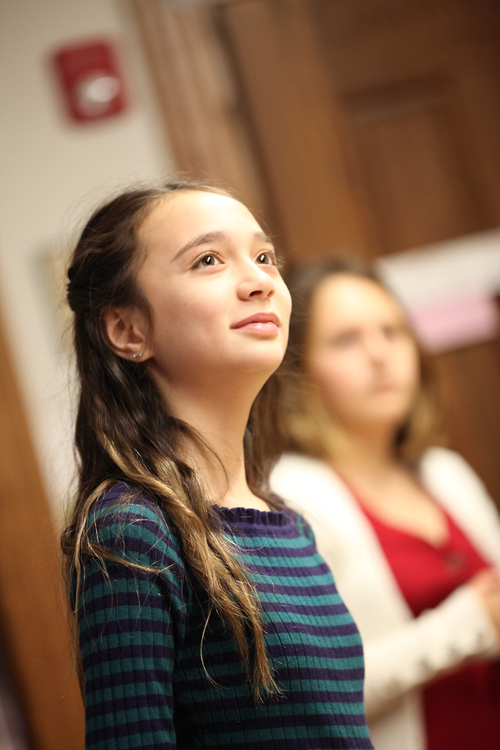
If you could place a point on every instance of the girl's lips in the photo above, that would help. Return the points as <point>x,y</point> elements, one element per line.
<point>259,323</point>
<point>385,386</point>
<point>257,327</point>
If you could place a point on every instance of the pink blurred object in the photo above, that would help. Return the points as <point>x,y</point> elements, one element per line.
<point>454,323</point>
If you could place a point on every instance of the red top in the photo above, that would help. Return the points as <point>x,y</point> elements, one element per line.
<point>462,709</point>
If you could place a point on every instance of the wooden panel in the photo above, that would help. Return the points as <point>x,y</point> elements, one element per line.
<point>33,609</point>
<point>480,117</point>
<point>199,99</point>
<point>421,130</point>
<point>413,161</point>
<point>366,45</point>
<point>470,388</point>
<point>294,125</point>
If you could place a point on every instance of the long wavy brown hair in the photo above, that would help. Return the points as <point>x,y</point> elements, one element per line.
<point>124,431</point>
<point>307,423</point>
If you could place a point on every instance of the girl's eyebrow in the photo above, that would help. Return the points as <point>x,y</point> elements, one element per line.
<point>211,237</point>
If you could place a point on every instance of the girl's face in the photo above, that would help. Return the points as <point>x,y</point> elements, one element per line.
<point>361,354</point>
<point>219,305</point>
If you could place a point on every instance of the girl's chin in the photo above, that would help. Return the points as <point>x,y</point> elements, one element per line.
<point>375,421</point>
<point>385,423</point>
<point>265,361</point>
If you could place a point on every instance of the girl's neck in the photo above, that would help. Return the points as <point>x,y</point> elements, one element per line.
<point>221,422</point>
<point>365,455</point>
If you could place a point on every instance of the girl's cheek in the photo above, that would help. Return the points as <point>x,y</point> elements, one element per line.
<point>340,383</point>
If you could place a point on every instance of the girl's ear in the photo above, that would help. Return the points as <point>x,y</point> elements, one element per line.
<point>127,333</point>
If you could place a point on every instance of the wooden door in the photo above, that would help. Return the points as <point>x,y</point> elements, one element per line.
<point>387,111</point>
<point>370,127</point>
<point>34,621</point>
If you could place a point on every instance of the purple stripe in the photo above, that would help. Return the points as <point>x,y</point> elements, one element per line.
<point>312,721</point>
<point>308,591</point>
<point>318,652</point>
<point>281,552</point>
<point>130,677</point>
<point>316,696</point>
<point>123,629</point>
<point>330,631</point>
<point>320,743</point>
<point>127,729</point>
<point>288,572</point>
<point>291,608</point>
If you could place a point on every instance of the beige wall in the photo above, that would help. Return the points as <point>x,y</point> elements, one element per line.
<point>51,173</point>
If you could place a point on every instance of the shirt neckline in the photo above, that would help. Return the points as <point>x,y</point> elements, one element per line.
<point>253,516</point>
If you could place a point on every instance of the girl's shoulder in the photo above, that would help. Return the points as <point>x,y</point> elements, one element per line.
<point>457,487</point>
<point>304,527</point>
<point>442,466</point>
<point>127,521</point>
<point>121,503</point>
<point>305,480</point>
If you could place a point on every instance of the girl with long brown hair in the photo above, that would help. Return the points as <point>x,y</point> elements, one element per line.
<point>205,616</point>
<point>409,532</point>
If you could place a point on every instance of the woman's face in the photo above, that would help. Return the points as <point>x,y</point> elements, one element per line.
<point>219,305</point>
<point>361,354</point>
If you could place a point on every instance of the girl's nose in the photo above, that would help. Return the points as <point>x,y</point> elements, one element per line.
<point>377,348</point>
<point>255,282</point>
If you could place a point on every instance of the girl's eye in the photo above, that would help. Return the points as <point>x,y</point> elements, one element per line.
<point>344,340</point>
<point>207,260</point>
<point>392,332</point>
<point>267,258</point>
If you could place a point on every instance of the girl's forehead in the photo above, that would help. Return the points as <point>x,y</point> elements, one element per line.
<point>196,205</point>
<point>341,297</point>
<point>178,217</point>
<point>345,290</point>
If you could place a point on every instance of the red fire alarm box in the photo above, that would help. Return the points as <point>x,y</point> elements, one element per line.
<point>91,82</point>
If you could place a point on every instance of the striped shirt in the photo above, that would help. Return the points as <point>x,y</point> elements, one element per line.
<point>146,683</point>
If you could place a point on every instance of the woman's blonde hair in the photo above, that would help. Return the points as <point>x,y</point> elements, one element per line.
<point>308,426</point>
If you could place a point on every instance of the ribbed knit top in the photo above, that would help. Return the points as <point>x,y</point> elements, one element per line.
<point>146,683</point>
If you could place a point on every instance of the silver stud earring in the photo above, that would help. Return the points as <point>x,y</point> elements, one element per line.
<point>138,354</point>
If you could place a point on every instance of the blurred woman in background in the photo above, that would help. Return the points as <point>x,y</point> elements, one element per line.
<point>407,528</point>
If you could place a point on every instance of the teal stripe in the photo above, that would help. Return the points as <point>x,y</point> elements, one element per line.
<point>306,582</point>
<point>200,695</point>
<point>320,600</point>
<point>312,621</point>
<point>268,543</point>
<point>221,671</point>
<point>127,690</point>
<point>127,666</point>
<point>122,586</point>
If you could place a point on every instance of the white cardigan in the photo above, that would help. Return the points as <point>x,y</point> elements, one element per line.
<point>401,652</point>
